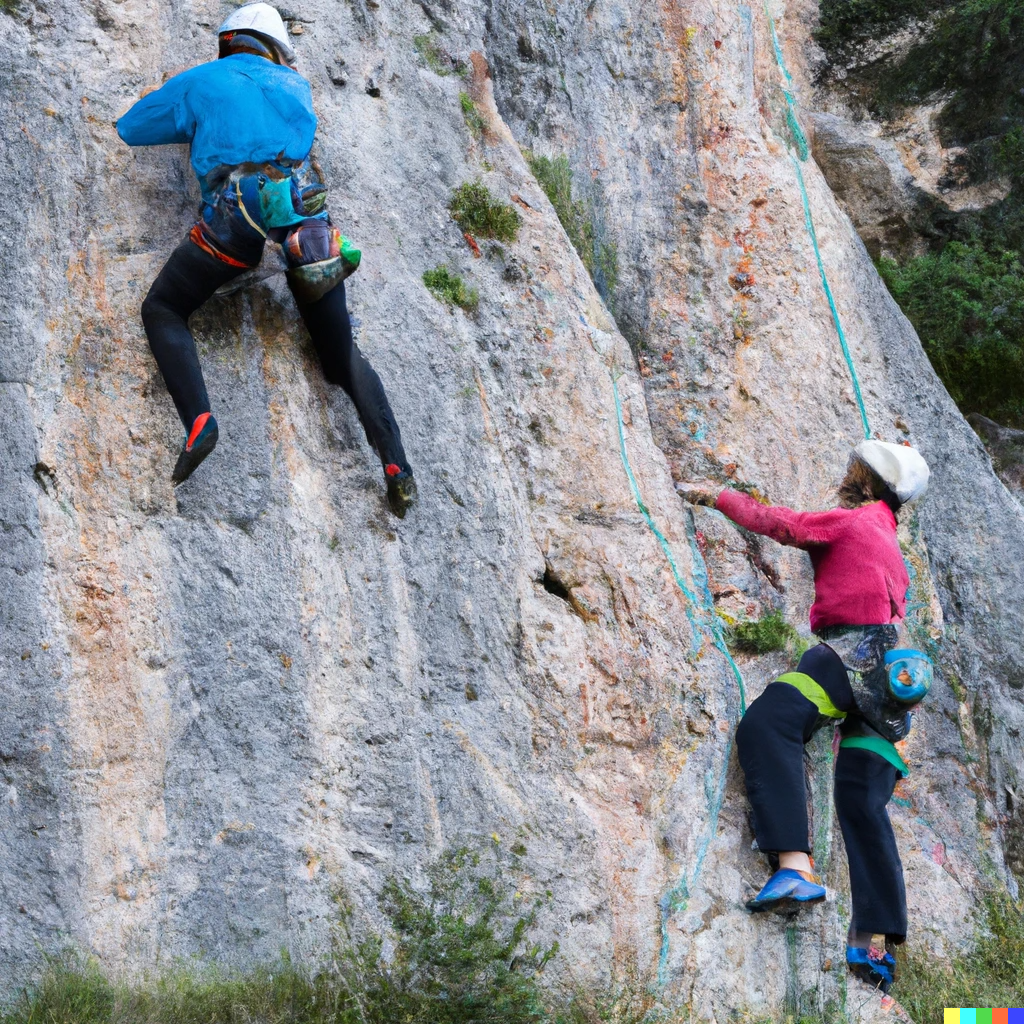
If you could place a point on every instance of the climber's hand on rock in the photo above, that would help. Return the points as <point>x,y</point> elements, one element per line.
<point>699,493</point>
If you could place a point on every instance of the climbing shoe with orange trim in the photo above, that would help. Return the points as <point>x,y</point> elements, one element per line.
<point>875,965</point>
<point>401,489</point>
<point>202,439</point>
<point>786,892</point>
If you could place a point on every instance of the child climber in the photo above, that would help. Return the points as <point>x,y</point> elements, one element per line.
<point>249,118</point>
<point>856,677</point>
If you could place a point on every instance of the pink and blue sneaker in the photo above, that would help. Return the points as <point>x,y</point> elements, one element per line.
<point>874,965</point>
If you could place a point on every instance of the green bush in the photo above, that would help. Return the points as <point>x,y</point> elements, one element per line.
<point>474,122</point>
<point>967,305</point>
<point>478,213</point>
<point>761,636</point>
<point>434,56</point>
<point>844,22</point>
<point>555,178</point>
<point>450,288</point>
<point>991,974</point>
<point>461,955</point>
<point>577,217</point>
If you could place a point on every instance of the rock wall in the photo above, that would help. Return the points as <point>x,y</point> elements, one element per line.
<point>222,704</point>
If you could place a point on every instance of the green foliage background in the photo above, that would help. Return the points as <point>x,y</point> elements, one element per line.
<point>965,298</point>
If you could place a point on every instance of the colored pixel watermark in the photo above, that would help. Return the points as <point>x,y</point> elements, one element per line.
<point>1007,1016</point>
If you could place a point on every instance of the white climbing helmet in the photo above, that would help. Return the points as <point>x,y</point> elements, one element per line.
<point>900,466</point>
<point>261,19</point>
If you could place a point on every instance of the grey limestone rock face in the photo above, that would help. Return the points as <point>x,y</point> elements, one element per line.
<point>223,704</point>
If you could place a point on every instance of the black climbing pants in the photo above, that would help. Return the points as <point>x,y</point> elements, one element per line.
<point>190,277</point>
<point>770,743</point>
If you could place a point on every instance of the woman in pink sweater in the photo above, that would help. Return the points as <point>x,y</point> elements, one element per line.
<point>855,677</point>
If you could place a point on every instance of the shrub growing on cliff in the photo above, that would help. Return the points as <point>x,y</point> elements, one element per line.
<point>451,289</point>
<point>577,217</point>
<point>555,177</point>
<point>477,212</point>
<point>762,636</point>
<point>967,306</point>
<point>428,46</point>
<point>474,122</point>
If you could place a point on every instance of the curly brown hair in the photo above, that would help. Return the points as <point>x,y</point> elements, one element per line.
<point>863,486</point>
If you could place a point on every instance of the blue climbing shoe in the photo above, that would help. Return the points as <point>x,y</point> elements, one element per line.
<point>786,892</point>
<point>875,966</point>
<point>202,439</point>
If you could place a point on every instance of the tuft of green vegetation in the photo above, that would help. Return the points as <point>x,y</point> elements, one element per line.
<point>991,974</point>
<point>436,58</point>
<point>555,178</point>
<point>9,6</point>
<point>577,217</point>
<point>474,122</point>
<point>451,289</point>
<point>478,213</point>
<point>761,636</point>
<point>967,306</point>
<point>461,954</point>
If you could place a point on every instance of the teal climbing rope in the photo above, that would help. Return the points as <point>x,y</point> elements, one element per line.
<point>803,151</point>
<point>705,605</point>
<point>701,612</point>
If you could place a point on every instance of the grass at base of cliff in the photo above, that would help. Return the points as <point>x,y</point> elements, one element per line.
<point>459,950</point>
<point>992,974</point>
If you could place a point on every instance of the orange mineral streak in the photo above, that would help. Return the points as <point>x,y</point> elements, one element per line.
<point>117,701</point>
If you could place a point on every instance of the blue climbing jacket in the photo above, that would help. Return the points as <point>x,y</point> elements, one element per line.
<point>236,110</point>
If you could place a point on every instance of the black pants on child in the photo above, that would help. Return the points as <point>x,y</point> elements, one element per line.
<point>770,742</point>
<point>191,276</point>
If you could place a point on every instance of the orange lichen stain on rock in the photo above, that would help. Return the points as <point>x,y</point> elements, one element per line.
<point>234,828</point>
<point>679,38</point>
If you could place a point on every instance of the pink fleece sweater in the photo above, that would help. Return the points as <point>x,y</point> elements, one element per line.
<point>859,575</point>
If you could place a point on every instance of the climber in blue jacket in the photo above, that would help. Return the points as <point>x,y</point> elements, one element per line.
<point>249,118</point>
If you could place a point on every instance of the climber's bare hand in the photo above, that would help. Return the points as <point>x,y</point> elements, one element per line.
<point>698,493</point>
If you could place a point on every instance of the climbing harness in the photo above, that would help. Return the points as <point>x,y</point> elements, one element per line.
<point>880,746</point>
<point>814,692</point>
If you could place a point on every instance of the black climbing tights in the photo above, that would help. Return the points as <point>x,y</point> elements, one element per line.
<point>864,785</point>
<point>190,277</point>
<point>770,743</point>
<point>331,331</point>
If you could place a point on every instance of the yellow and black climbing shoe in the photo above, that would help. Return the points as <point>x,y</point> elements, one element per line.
<point>202,439</point>
<point>401,489</point>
